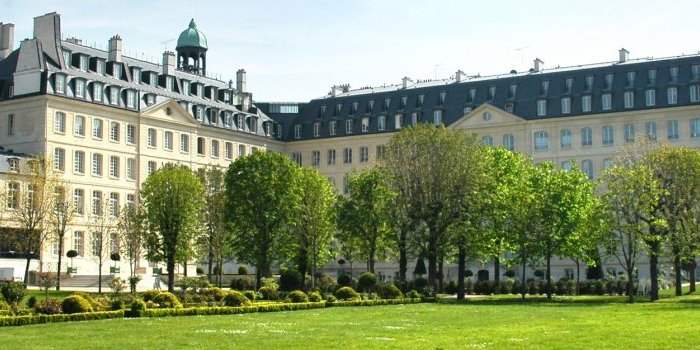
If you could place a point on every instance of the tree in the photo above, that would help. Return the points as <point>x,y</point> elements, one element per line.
<point>364,215</point>
<point>32,210</point>
<point>423,163</point>
<point>316,226</point>
<point>103,222</point>
<point>172,198</point>
<point>60,218</point>
<point>132,228</point>
<point>215,241</point>
<point>262,202</point>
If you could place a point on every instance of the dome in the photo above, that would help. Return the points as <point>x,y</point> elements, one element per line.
<point>192,37</point>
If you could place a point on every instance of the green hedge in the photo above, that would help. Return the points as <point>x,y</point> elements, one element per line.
<point>222,310</point>
<point>36,319</point>
<point>375,302</point>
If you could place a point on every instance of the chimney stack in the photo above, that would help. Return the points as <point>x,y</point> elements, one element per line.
<point>405,81</point>
<point>114,49</point>
<point>240,80</point>
<point>624,55</point>
<point>169,63</point>
<point>7,39</point>
<point>459,75</point>
<point>538,65</point>
<point>47,29</point>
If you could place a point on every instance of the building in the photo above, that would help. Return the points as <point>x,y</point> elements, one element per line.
<point>107,120</point>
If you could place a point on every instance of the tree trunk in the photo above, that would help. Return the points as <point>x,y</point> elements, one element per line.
<point>58,267</point>
<point>403,259</point>
<point>184,268</point>
<point>370,261</point>
<point>654,270</point>
<point>460,273</point>
<point>210,262</point>
<point>497,270</point>
<point>523,287</point>
<point>691,274</point>
<point>99,277</point>
<point>220,273</point>
<point>441,275</point>
<point>578,276</point>
<point>26,269</point>
<point>630,285</point>
<point>679,274</point>
<point>170,265</point>
<point>432,265</point>
<point>548,284</point>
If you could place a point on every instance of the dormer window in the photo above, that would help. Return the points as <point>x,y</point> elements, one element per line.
<point>153,80</point>
<point>544,88</point>
<point>322,110</point>
<point>136,75</point>
<point>317,129</point>
<point>370,106</point>
<point>297,131</point>
<point>443,95</point>
<point>66,57</point>
<point>80,88</point>
<point>348,126</point>
<point>404,99</point>
<point>131,99</point>
<point>608,81</point>
<point>651,77</point>
<point>97,92</point>
<point>471,96</point>
<point>354,107</point>
<point>695,71</point>
<point>492,93</point>
<point>83,60</point>
<point>60,83</point>
<point>169,83</point>
<point>13,164</point>
<point>589,83</point>
<point>100,67</point>
<point>512,90</point>
<point>338,108</point>
<point>630,79</point>
<point>673,71</point>
<point>420,100</point>
<point>568,85</point>
<point>387,103</point>
<point>114,95</point>
<point>116,70</point>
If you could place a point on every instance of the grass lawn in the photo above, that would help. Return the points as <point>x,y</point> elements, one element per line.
<point>492,323</point>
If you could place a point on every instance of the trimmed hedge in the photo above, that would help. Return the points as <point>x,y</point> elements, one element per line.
<point>195,311</point>
<point>36,319</point>
<point>375,302</point>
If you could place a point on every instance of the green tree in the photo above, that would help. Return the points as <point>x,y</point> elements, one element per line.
<point>172,198</point>
<point>216,239</point>
<point>364,215</point>
<point>132,229</point>
<point>103,222</point>
<point>262,202</point>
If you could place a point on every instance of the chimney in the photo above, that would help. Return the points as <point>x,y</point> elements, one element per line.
<point>114,49</point>
<point>169,63</point>
<point>7,39</point>
<point>624,55</point>
<point>75,40</point>
<point>240,80</point>
<point>405,81</point>
<point>47,29</point>
<point>459,75</point>
<point>538,65</point>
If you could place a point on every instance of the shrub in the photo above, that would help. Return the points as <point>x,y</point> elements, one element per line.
<point>13,292</point>
<point>345,280</point>
<point>4,306</point>
<point>269,282</point>
<point>37,319</point>
<point>330,298</point>
<point>242,270</point>
<point>469,286</point>
<point>413,294</point>
<point>451,287</point>
<point>420,283</point>
<point>215,294</point>
<point>347,293</point>
<point>242,283</point>
<point>598,287</point>
<point>116,304</point>
<point>75,304</point>
<point>315,297</point>
<point>269,293</point>
<point>93,303</point>
<point>200,271</point>
<point>136,308</point>
<point>48,307</point>
<point>533,287</point>
<point>167,300</point>
<point>149,295</point>
<point>251,295</point>
<point>510,273</point>
<point>298,296</point>
<point>505,287</point>
<point>236,298</point>
<point>611,287</point>
<point>367,281</point>
<point>390,291</point>
<point>326,283</point>
<point>290,280</point>
<point>31,302</point>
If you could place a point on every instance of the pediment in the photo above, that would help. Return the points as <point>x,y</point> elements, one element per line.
<point>170,111</point>
<point>486,115</point>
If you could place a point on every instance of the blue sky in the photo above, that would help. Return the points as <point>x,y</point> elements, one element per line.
<point>295,50</point>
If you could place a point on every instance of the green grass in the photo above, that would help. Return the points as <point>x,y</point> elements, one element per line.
<point>490,323</point>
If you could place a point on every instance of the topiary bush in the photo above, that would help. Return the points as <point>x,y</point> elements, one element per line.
<point>48,307</point>
<point>269,293</point>
<point>116,304</point>
<point>290,280</point>
<point>242,270</point>
<point>136,308</point>
<point>251,295</point>
<point>215,294</point>
<point>167,300</point>
<point>390,291</point>
<point>413,294</point>
<point>347,293</point>
<point>149,295</point>
<point>330,298</point>
<point>236,298</point>
<point>94,304</point>
<point>13,292</point>
<point>367,281</point>
<point>75,304</point>
<point>326,283</point>
<point>242,283</point>
<point>298,296</point>
<point>31,302</point>
<point>345,280</point>
<point>315,297</point>
<point>420,283</point>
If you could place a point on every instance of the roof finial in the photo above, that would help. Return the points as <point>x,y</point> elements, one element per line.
<point>192,24</point>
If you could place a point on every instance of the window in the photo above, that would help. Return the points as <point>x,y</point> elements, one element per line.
<point>566,105</point>
<point>348,126</point>
<point>630,79</point>
<point>587,168</point>
<point>437,117</point>
<point>12,195</point>
<point>608,135</point>
<point>541,108</point>
<point>331,157</point>
<point>229,150</point>
<point>586,136</point>
<point>347,155</point>
<point>629,99</point>
<point>80,88</point>
<point>651,130</point>
<point>695,127</point>
<point>629,133</point>
<point>79,125</point>
<point>113,243</point>
<point>331,128</point>
<point>608,163</point>
<point>130,134</point>
<point>97,246</point>
<point>96,164</point>
<point>297,131</point>
<point>152,137</point>
<point>296,157</point>
<point>672,126</point>
<point>509,142</point>
<point>79,201</point>
<point>168,140</point>
<point>586,105</point>
<point>650,97</point>
<point>364,154</point>
<point>130,200</point>
<point>10,125</point>
<point>184,143</point>
<point>487,140</point>
<point>114,166</point>
<point>59,159</point>
<point>79,242</point>
<point>131,168</point>
<point>673,71</point>
<point>672,95</point>
<point>60,84</point>
<point>130,98</point>
<point>566,165</point>
<point>241,150</point>
<point>651,76</point>
<point>414,118</point>
<point>201,146</point>
<point>381,150</point>
<point>79,162</point>
<point>346,184</point>
<point>97,128</point>
<point>694,91</point>
<point>565,136</point>
<point>608,81</point>
<point>381,123</point>
<point>114,204</point>
<point>541,141</point>
<point>97,92</point>
<point>114,132</point>
<point>365,124</point>
<point>114,95</point>
<point>398,119</point>
<point>151,167</point>
<point>59,123</point>
<point>316,158</point>
<point>214,148</point>
<point>317,129</point>
<point>588,83</point>
<point>96,203</point>
<point>606,101</point>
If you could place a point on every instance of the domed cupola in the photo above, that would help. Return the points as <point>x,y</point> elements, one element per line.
<point>192,50</point>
